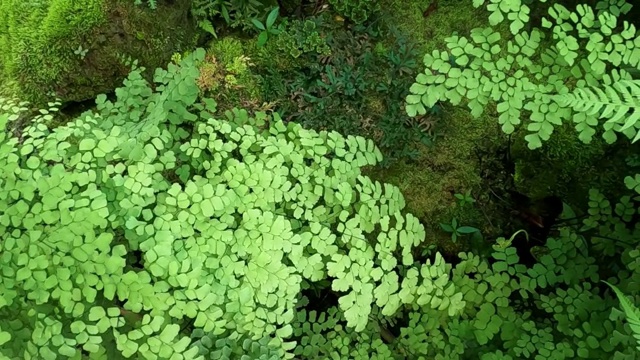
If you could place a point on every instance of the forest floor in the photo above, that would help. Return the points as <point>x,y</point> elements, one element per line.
<point>469,155</point>
<point>466,154</point>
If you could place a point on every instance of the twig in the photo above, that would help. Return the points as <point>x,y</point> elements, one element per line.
<point>499,198</point>
<point>485,215</point>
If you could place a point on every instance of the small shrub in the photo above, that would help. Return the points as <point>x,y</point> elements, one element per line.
<point>343,81</point>
<point>357,11</point>
<point>302,37</point>
<point>237,14</point>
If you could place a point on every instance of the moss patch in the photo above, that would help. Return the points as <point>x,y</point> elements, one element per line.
<point>452,165</point>
<point>464,154</point>
<point>150,36</point>
<point>227,75</point>
<point>39,40</point>
<point>448,17</point>
<point>35,40</point>
<point>566,167</point>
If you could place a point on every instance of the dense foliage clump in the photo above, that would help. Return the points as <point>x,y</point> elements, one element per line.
<point>208,205</point>
<point>583,76</point>
<point>154,227</point>
<point>351,81</point>
<point>185,218</point>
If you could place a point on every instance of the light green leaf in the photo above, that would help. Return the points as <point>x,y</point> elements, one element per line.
<point>87,144</point>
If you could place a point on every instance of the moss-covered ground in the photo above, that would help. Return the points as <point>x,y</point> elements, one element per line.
<point>38,39</point>
<point>73,49</point>
<point>453,164</point>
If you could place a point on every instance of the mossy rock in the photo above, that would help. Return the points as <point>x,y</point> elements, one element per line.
<point>74,49</point>
<point>226,75</point>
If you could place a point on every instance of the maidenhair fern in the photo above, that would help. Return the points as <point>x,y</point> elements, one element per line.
<point>580,74</point>
<point>154,227</point>
<point>518,12</point>
<point>574,79</point>
<point>514,10</point>
<point>231,218</point>
<point>618,103</point>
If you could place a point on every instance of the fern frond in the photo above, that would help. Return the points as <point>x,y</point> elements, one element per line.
<point>618,103</point>
<point>631,312</point>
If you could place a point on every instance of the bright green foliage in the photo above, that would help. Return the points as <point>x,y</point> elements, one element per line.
<point>127,224</point>
<point>573,79</point>
<point>631,312</point>
<point>34,39</point>
<point>580,327</point>
<point>357,11</point>
<point>236,13</point>
<point>514,10</point>
<point>618,103</point>
<point>155,227</point>
<point>323,336</point>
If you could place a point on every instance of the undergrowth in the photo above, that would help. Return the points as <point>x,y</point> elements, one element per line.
<point>347,78</point>
<point>167,223</point>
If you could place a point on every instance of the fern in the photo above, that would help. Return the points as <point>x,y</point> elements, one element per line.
<point>631,312</point>
<point>619,103</point>
<point>517,11</point>
<point>545,84</point>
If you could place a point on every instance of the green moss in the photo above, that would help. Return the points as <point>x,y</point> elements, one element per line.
<point>227,49</point>
<point>35,39</point>
<point>448,167</point>
<point>151,36</point>
<point>38,39</point>
<point>67,18</point>
<point>236,84</point>
<point>430,31</point>
<point>567,167</point>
